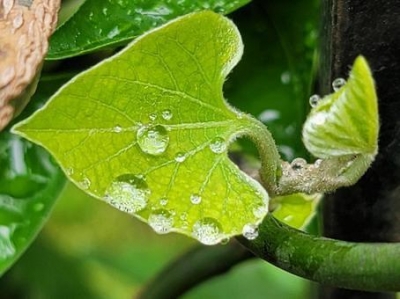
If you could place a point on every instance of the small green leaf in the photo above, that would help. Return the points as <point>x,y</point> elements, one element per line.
<point>148,131</point>
<point>345,122</point>
<point>296,209</point>
<point>105,23</point>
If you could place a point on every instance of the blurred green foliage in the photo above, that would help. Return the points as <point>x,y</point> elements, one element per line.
<point>90,250</point>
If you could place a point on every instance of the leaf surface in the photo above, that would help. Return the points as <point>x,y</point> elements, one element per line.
<point>105,23</point>
<point>148,131</point>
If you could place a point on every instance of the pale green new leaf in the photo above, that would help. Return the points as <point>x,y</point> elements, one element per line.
<point>148,131</point>
<point>295,209</point>
<point>345,122</point>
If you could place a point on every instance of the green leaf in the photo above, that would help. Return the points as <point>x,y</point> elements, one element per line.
<point>148,131</point>
<point>296,209</point>
<point>104,23</point>
<point>29,186</point>
<point>345,122</point>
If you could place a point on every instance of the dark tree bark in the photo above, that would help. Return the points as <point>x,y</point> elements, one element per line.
<point>370,210</point>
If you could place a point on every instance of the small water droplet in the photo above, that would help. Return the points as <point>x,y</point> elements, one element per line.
<point>260,211</point>
<point>153,116</point>
<point>180,157</point>
<point>153,140</point>
<point>69,171</point>
<point>166,114</point>
<point>218,145</point>
<point>225,241</point>
<point>208,231</point>
<point>161,221</point>
<point>128,193</point>
<point>183,216</point>
<point>250,231</point>
<point>117,129</point>
<point>314,99</point>
<point>85,184</point>
<point>195,199</point>
<point>338,83</point>
<point>298,163</point>
<point>164,201</point>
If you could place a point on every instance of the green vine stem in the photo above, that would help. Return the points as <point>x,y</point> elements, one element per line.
<point>358,266</point>
<point>194,267</point>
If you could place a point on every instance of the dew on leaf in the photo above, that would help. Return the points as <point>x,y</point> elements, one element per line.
<point>153,140</point>
<point>260,211</point>
<point>225,241</point>
<point>166,114</point>
<point>117,129</point>
<point>69,171</point>
<point>180,157</point>
<point>128,193</point>
<point>338,83</point>
<point>298,164</point>
<point>314,99</point>
<point>85,184</point>
<point>164,201</point>
<point>153,116</point>
<point>195,199</point>
<point>161,221</point>
<point>218,145</point>
<point>208,231</point>
<point>250,231</point>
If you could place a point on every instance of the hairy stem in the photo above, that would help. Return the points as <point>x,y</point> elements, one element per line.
<point>196,266</point>
<point>359,266</point>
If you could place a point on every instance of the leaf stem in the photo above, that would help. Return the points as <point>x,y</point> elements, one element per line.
<point>359,266</point>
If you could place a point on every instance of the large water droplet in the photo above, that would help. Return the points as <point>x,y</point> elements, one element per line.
<point>161,221</point>
<point>250,231</point>
<point>298,164</point>
<point>314,99</point>
<point>166,114</point>
<point>338,83</point>
<point>180,157</point>
<point>128,193</point>
<point>208,231</point>
<point>195,199</point>
<point>218,145</point>
<point>153,140</point>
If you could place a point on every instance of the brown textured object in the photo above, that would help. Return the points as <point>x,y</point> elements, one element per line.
<point>25,26</point>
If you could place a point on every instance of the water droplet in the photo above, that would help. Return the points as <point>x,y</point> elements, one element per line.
<point>208,231</point>
<point>314,99</point>
<point>161,221</point>
<point>250,231</point>
<point>260,211</point>
<point>338,83</point>
<point>166,114</point>
<point>195,199</point>
<point>153,140</point>
<point>286,77</point>
<point>218,145</point>
<point>183,216</point>
<point>164,201</point>
<point>117,129</point>
<point>69,171</point>
<point>128,193</point>
<point>153,116</point>
<point>298,163</point>
<point>85,184</point>
<point>180,157</point>
<point>225,241</point>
